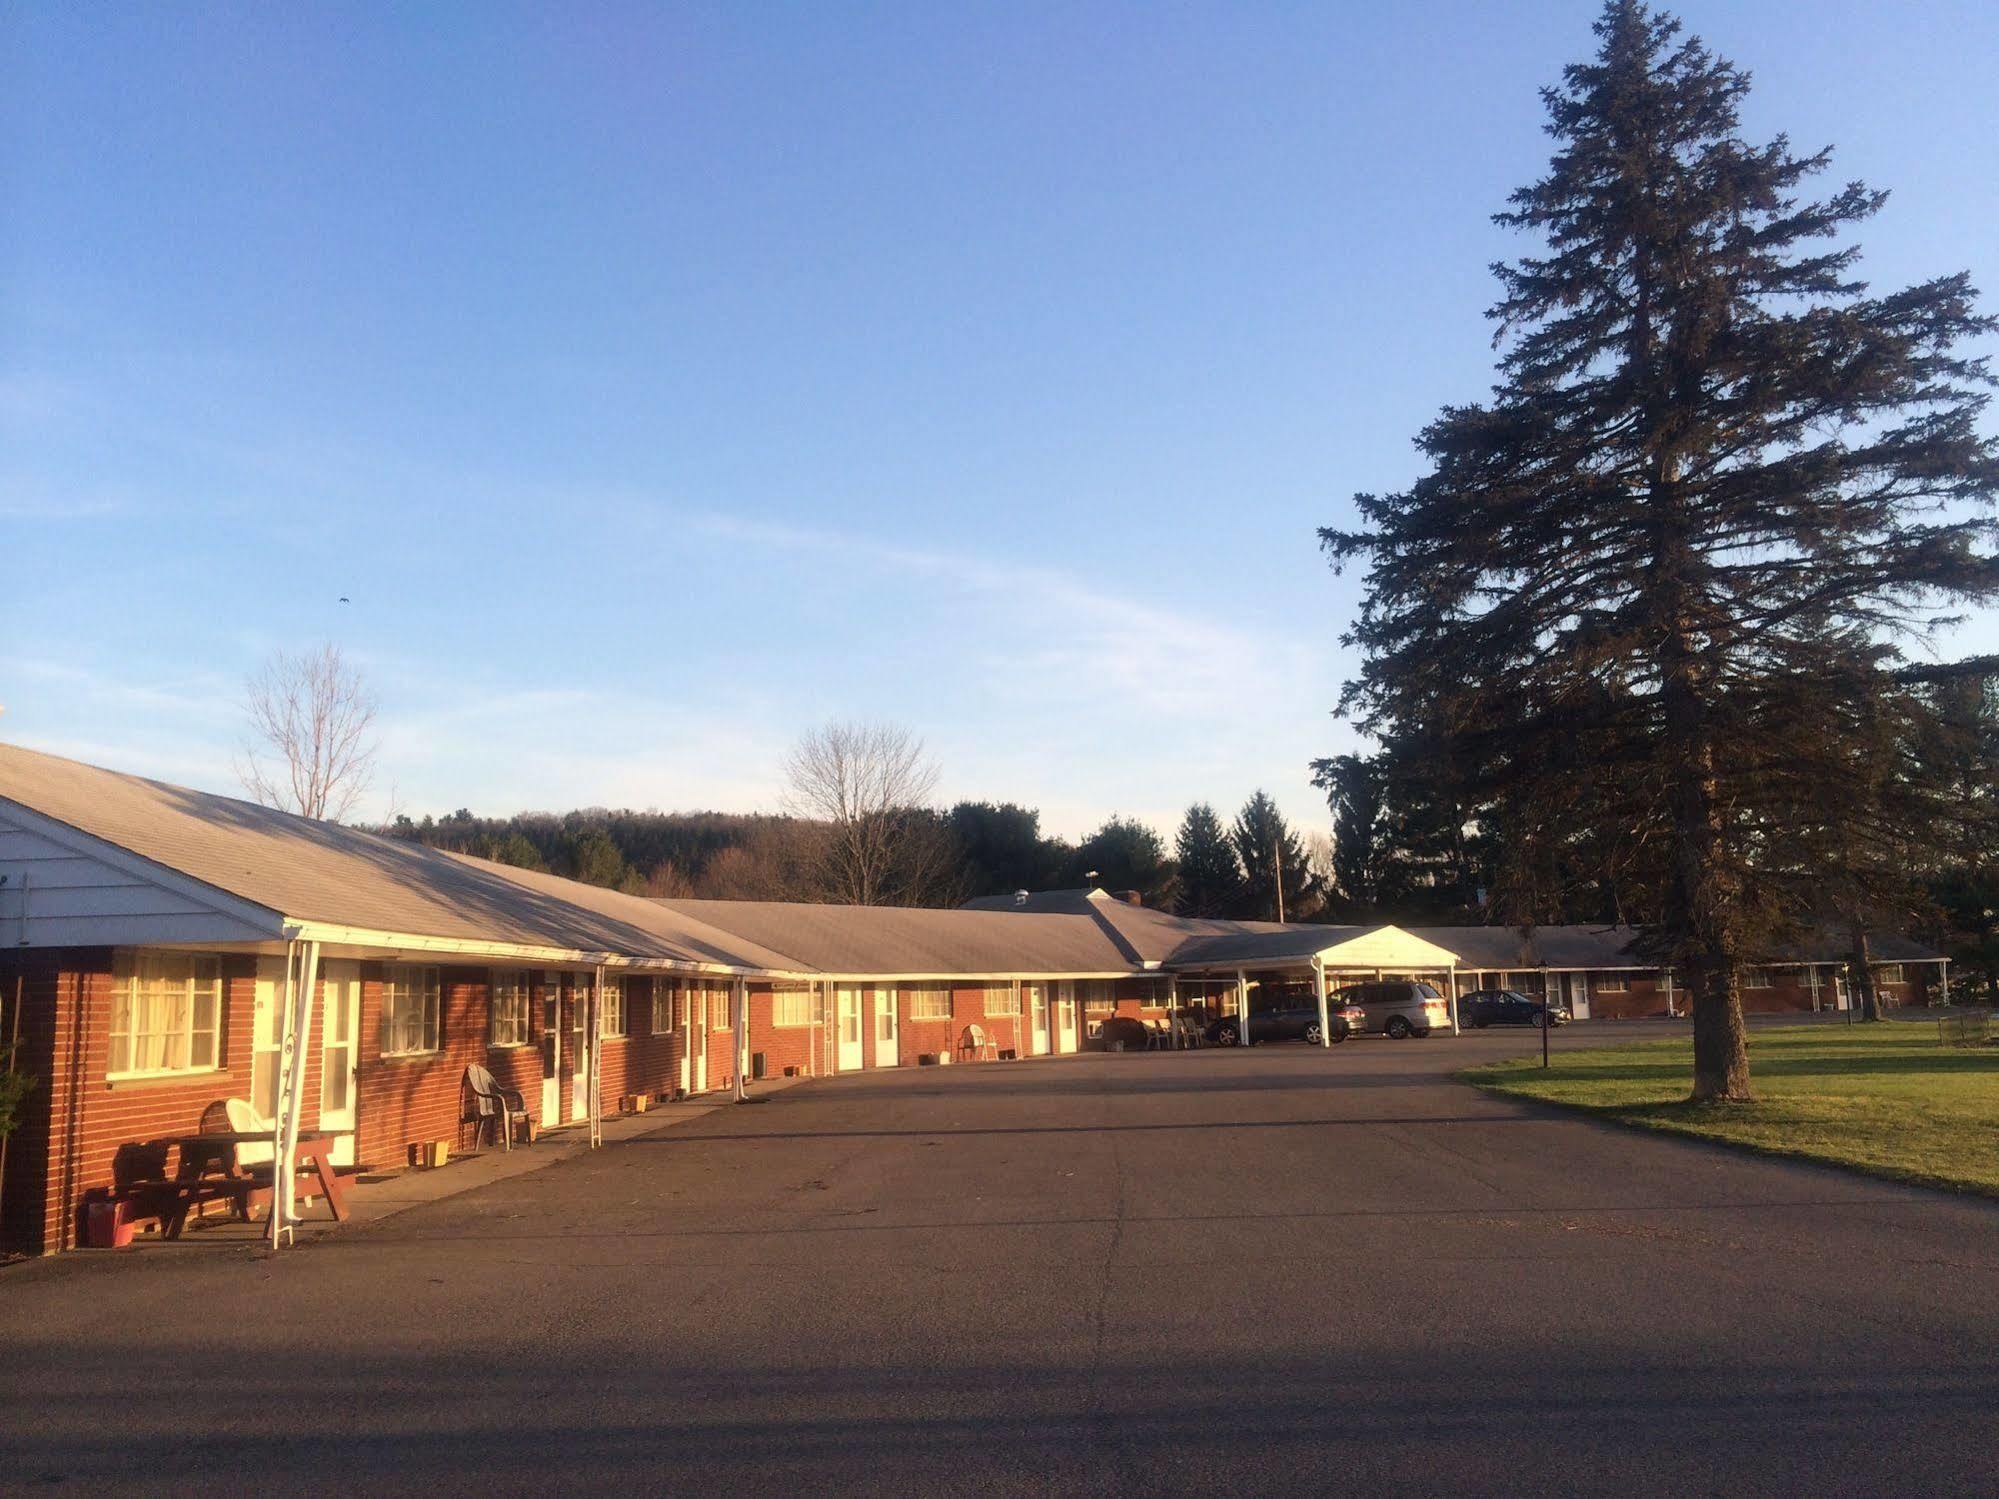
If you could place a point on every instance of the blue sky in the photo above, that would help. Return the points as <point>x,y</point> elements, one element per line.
<point>661,381</point>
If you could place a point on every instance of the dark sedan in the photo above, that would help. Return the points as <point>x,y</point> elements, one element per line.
<point>1483,1007</point>
<point>1286,1023</point>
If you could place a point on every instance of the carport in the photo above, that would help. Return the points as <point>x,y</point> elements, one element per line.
<point>1320,954</point>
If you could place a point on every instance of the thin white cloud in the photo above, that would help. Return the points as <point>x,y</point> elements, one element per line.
<point>1074,638</point>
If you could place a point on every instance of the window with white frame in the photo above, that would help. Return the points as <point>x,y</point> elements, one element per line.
<point>930,1002</point>
<point>718,1009</point>
<point>1002,999</point>
<point>166,1014</point>
<point>510,1008</point>
<point>791,1005</point>
<point>664,993</point>
<point>1525,980</point>
<point>1888,973</point>
<point>1097,997</point>
<point>1609,983</point>
<point>410,1001</point>
<point>1755,978</point>
<point>611,1008</point>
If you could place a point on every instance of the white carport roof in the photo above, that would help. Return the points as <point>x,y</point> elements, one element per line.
<point>1337,949</point>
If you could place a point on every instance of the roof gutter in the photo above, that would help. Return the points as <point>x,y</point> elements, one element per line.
<point>332,933</point>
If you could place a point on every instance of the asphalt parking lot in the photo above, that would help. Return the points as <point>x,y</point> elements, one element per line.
<point>1279,1270</point>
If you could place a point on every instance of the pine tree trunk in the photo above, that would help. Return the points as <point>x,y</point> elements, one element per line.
<point>1697,913</point>
<point>1721,1040</point>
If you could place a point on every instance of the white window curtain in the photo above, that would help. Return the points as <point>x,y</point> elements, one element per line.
<point>166,1014</point>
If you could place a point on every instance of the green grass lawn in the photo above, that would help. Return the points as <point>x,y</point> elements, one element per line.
<point>1884,1098</point>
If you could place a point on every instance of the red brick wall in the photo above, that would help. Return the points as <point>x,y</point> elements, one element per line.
<point>922,1036</point>
<point>782,1046</point>
<point>640,1061</point>
<point>1641,997</point>
<point>76,1119</point>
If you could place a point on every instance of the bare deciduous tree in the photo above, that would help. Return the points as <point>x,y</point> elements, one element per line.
<point>869,785</point>
<point>311,750</point>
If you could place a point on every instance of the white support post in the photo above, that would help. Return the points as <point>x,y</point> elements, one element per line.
<point>593,1056</point>
<point>301,971</point>
<point>1242,1004</point>
<point>1319,993</point>
<point>741,1000</point>
<point>1454,1001</point>
<point>1812,983</point>
<point>1175,1022</point>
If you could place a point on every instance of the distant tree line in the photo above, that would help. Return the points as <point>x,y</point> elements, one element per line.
<point>936,857</point>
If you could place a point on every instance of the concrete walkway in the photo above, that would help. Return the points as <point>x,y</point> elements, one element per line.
<point>373,1196</point>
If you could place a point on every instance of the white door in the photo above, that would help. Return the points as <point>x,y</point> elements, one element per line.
<point>697,1038</point>
<point>681,1023</point>
<point>888,1030</point>
<point>1065,1016</point>
<point>1577,985</point>
<point>340,1055</point>
<point>551,1053</point>
<point>579,1072</point>
<point>264,1027</point>
<point>1035,997</point>
<point>847,1012</point>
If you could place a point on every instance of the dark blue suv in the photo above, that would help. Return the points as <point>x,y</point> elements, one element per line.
<point>1483,1007</point>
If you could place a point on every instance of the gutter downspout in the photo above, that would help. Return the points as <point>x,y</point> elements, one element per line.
<point>1319,992</point>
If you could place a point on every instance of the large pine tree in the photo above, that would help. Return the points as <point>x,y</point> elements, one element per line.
<point>1210,876</point>
<point>1277,876</point>
<point>1720,488</point>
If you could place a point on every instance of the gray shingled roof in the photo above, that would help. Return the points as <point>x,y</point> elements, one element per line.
<point>320,871</point>
<point>1161,937</point>
<point>316,871</point>
<point>885,940</point>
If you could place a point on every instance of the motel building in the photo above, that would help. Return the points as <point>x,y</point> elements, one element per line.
<point>171,957</point>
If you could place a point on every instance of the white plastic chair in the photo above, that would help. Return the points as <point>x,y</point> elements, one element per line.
<point>244,1119</point>
<point>977,1046</point>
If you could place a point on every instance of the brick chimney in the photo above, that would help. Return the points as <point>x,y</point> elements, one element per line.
<point>1129,897</point>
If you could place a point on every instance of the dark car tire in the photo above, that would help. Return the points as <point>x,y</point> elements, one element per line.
<point>1313,1035</point>
<point>1398,1028</point>
<point>1340,1033</point>
<point>1420,1035</point>
<point>1227,1036</point>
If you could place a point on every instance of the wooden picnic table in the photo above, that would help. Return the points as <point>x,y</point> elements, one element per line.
<point>214,1153</point>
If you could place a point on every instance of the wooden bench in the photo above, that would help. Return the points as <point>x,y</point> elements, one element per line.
<point>143,1190</point>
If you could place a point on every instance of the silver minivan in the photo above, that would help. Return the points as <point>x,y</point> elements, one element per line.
<point>1399,1007</point>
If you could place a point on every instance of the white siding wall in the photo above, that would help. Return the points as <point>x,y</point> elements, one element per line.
<point>58,894</point>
